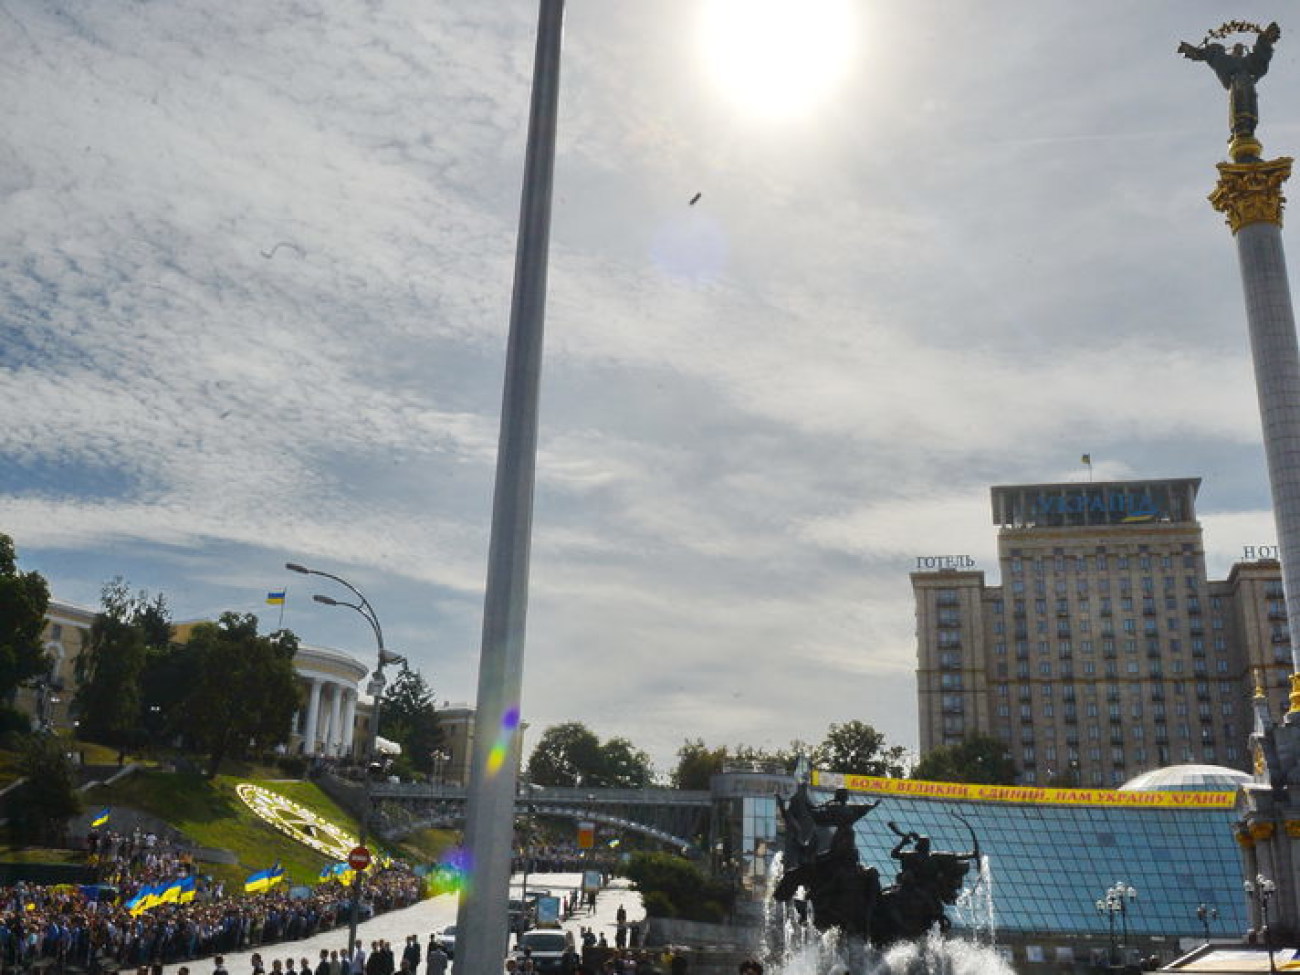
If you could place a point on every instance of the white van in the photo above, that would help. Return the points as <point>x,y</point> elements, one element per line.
<point>545,945</point>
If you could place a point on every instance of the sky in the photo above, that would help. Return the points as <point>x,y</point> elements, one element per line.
<point>255,277</point>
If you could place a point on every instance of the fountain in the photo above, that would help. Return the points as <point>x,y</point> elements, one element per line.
<point>829,914</point>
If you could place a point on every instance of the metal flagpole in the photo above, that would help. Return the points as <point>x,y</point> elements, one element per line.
<point>482,931</point>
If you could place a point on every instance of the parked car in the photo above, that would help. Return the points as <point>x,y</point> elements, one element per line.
<point>447,938</point>
<point>544,945</point>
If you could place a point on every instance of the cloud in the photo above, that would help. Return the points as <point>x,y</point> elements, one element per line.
<point>255,274</point>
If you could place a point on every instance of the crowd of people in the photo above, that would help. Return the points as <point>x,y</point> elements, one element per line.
<point>90,927</point>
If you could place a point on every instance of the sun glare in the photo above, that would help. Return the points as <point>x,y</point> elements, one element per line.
<point>778,58</point>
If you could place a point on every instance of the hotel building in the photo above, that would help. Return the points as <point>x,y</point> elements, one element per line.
<point>1106,651</point>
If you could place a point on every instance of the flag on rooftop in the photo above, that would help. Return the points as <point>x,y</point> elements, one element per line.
<point>276,598</point>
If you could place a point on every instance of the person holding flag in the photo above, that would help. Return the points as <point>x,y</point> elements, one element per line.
<point>264,879</point>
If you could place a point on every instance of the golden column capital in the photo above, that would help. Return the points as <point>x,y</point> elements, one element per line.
<point>1251,192</point>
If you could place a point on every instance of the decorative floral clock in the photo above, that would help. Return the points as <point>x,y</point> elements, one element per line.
<point>297,822</point>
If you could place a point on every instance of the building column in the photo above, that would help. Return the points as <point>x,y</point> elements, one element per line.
<point>335,739</point>
<point>349,718</point>
<point>310,735</point>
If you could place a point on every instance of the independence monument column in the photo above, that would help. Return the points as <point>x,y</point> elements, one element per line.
<point>1249,194</point>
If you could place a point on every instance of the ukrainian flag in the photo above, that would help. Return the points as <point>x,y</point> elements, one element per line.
<point>101,817</point>
<point>186,890</point>
<point>276,598</point>
<point>148,897</point>
<point>263,879</point>
<point>171,894</point>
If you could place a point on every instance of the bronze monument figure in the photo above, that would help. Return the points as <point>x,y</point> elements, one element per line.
<point>1238,70</point>
<point>821,857</point>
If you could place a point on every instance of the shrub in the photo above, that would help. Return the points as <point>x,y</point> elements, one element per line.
<point>671,886</point>
<point>294,766</point>
<point>658,904</point>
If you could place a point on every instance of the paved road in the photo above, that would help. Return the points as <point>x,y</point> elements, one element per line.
<point>430,916</point>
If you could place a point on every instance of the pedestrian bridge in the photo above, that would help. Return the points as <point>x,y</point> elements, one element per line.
<point>676,818</point>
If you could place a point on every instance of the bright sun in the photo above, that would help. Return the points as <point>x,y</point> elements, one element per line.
<point>778,58</point>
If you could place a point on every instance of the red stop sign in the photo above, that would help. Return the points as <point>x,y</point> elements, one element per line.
<point>359,858</point>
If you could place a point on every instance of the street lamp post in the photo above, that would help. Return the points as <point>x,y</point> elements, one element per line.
<point>1115,902</point>
<point>1262,890</point>
<point>376,691</point>
<point>1206,913</point>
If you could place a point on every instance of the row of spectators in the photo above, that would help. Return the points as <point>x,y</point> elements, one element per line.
<point>90,928</point>
<point>132,860</point>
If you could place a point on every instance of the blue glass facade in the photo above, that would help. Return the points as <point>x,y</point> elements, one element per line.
<point>1050,862</point>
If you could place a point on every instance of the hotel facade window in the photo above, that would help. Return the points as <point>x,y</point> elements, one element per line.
<point>1119,566</point>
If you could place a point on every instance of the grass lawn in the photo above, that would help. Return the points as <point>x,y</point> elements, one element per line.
<point>211,813</point>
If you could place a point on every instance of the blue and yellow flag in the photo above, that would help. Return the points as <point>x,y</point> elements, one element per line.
<point>263,879</point>
<point>101,817</point>
<point>276,598</point>
<point>171,893</point>
<point>149,896</point>
<point>187,890</point>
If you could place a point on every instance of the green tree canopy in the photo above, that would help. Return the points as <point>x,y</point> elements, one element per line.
<point>697,764</point>
<point>127,628</point>
<point>408,718</point>
<point>977,758</point>
<point>672,886</point>
<point>624,765</point>
<point>244,690</point>
<point>571,754</point>
<point>24,600</point>
<point>49,793</point>
<point>856,748</point>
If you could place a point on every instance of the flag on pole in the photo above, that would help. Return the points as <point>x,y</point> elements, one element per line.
<point>148,897</point>
<point>171,894</point>
<point>1086,459</point>
<point>101,818</point>
<point>263,879</point>
<point>275,598</point>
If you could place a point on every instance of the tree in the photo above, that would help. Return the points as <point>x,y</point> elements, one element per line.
<point>671,886</point>
<point>856,748</point>
<point>624,765</point>
<point>109,673</point>
<point>696,765</point>
<point>244,691</point>
<point>567,754</point>
<point>24,600</point>
<point>976,758</point>
<point>49,793</point>
<point>571,754</point>
<point>408,718</point>
<point>773,758</point>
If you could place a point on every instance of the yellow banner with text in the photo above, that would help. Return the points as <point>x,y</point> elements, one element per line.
<point>918,789</point>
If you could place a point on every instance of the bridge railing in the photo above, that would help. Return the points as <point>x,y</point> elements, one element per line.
<point>568,796</point>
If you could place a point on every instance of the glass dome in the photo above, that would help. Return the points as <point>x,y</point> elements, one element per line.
<point>1188,778</point>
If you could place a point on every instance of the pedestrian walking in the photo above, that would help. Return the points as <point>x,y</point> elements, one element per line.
<point>436,961</point>
<point>412,954</point>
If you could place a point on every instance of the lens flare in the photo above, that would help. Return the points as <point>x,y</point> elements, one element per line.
<point>501,747</point>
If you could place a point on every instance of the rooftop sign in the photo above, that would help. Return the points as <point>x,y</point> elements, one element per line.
<point>1088,504</point>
